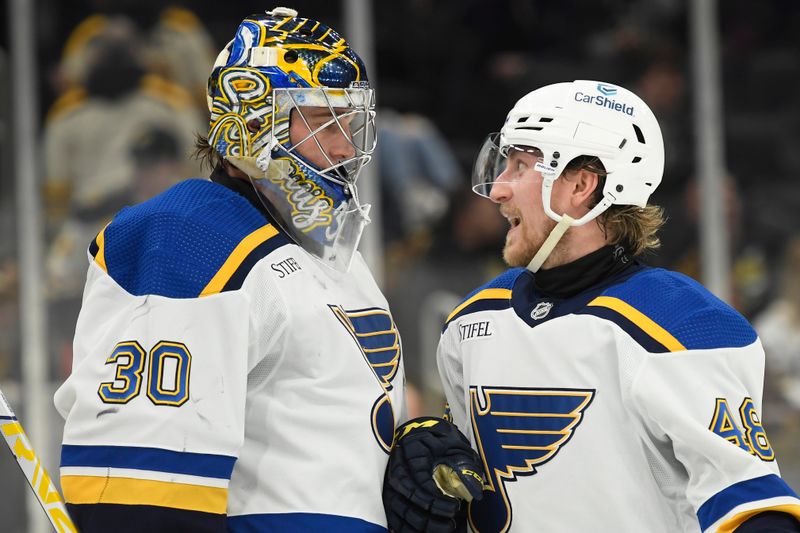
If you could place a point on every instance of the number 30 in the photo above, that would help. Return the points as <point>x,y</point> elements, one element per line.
<point>167,375</point>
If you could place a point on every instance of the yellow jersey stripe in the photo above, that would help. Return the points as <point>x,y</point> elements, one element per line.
<point>100,257</point>
<point>730,525</point>
<point>485,294</point>
<point>239,254</point>
<point>641,320</point>
<point>130,491</point>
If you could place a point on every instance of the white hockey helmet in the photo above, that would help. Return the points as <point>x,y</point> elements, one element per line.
<point>567,120</point>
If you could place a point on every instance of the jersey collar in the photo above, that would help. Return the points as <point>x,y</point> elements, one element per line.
<point>565,281</point>
<point>241,186</point>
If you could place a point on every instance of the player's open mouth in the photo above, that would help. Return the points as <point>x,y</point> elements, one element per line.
<point>514,221</point>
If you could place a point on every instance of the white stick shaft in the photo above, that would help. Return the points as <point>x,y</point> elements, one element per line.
<point>34,471</point>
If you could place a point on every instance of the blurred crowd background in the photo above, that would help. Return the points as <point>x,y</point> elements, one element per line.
<point>121,89</point>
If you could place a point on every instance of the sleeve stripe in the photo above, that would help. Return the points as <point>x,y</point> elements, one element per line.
<point>258,523</point>
<point>151,475</point>
<point>127,491</point>
<point>155,459</point>
<point>730,525</point>
<point>486,294</point>
<point>237,257</point>
<point>744,492</point>
<point>641,320</point>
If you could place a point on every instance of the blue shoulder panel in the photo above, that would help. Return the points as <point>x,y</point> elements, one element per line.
<point>494,295</point>
<point>195,239</point>
<point>667,311</point>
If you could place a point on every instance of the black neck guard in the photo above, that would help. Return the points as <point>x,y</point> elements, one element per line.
<point>565,281</point>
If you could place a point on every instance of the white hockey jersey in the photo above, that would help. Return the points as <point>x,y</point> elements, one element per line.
<point>220,370</point>
<point>633,406</point>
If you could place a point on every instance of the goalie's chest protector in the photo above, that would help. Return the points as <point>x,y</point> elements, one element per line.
<point>319,426</point>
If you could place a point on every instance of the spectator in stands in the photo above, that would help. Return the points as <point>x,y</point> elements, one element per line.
<point>90,131</point>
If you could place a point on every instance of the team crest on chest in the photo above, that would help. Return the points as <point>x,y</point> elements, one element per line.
<point>375,333</point>
<point>517,430</point>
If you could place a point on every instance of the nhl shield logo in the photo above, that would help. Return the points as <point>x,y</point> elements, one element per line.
<point>541,310</point>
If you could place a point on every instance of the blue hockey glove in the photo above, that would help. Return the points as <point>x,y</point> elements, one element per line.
<point>432,470</point>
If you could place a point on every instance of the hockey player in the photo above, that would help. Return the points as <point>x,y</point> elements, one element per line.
<point>601,394</point>
<point>236,367</point>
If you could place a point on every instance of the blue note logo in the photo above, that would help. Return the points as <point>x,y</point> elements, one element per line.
<point>517,430</point>
<point>375,333</point>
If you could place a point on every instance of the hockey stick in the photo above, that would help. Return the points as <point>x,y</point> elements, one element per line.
<point>33,469</point>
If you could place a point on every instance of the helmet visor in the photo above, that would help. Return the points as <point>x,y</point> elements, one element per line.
<point>508,163</point>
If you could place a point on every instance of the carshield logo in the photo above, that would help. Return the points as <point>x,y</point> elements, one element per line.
<point>607,90</point>
<point>604,99</point>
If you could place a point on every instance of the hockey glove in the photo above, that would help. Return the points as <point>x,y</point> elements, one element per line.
<point>431,469</point>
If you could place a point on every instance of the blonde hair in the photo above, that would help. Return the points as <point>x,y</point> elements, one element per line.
<point>634,227</point>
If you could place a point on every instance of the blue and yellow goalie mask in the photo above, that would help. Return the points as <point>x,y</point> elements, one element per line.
<point>291,106</point>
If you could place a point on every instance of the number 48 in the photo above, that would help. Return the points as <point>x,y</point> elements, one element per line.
<point>167,374</point>
<point>753,439</point>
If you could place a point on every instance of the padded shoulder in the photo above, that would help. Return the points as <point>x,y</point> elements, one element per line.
<point>195,239</point>
<point>667,312</point>
<point>494,295</point>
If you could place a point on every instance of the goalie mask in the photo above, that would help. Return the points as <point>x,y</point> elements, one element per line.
<point>291,107</point>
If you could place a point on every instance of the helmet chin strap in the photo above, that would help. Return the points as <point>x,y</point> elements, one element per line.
<point>547,246</point>
<point>549,176</point>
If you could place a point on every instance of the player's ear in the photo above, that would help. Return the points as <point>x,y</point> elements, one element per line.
<point>583,184</point>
